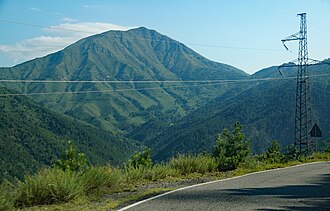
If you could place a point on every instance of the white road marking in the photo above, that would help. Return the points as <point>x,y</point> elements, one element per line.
<point>211,182</point>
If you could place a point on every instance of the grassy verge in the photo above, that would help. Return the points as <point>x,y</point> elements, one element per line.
<point>101,188</point>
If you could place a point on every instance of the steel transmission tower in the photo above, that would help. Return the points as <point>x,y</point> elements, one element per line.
<point>303,111</point>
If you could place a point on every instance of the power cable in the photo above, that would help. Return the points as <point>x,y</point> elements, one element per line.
<point>155,81</point>
<point>211,83</point>
<point>105,90</point>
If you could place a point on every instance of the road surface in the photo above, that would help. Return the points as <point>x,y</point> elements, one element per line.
<point>304,187</point>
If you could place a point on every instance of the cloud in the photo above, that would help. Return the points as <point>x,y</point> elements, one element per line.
<point>89,6</point>
<point>59,36</point>
<point>83,29</point>
<point>35,9</point>
<point>67,19</point>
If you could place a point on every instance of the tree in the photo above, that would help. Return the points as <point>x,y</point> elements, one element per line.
<point>291,154</point>
<point>273,154</point>
<point>231,149</point>
<point>141,159</point>
<point>73,161</point>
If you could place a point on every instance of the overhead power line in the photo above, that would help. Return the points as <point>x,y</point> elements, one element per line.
<point>155,81</point>
<point>132,81</point>
<point>208,83</point>
<point>104,90</point>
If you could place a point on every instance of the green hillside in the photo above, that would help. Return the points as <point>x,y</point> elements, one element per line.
<point>32,136</point>
<point>266,110</point>
<point>137,54</point>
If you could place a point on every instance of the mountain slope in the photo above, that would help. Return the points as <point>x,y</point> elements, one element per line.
<point>31,136</point>
<point>266,110</point>
<point>138,54</point>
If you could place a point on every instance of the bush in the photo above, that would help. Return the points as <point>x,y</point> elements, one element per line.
<point>327,150</point>
<point>141,159</point>
<point>272,154</point>
<point>73,161</point>
<point>49,186</point>
<point>187,164</point>
<point>231,149</point>
<point>291,154</point>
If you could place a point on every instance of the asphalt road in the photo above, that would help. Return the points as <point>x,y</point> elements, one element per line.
<point>304,187</point>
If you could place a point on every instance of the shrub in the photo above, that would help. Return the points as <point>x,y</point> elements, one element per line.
<point>291,154</point>
<point>327,150</point>
<point>231,149</point>
<point>272,154</point>
<point>73,161</point>
<point>141,159</point>
<point>49,186</point>
<point>187,164</point>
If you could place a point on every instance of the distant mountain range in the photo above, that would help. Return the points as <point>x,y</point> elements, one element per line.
<point>170,117</point>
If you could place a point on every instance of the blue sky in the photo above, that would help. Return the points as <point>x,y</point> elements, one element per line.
<point>242,33</point>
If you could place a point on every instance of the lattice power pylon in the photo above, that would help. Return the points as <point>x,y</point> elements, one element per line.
<point>303,113</point>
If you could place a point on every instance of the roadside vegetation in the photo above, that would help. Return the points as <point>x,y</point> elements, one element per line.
<point>70,182</point>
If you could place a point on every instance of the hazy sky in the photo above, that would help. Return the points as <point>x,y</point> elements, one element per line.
<point>242,33</point>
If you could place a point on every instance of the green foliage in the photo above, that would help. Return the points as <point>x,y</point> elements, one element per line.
<point>134,174</point>
<point>49,186</point>
<point>141,159</point>
<point>160,171</point>
<point>291,154</point>
<point>157,172</point>
<point>187,164</point>
<point>32,136</point>
<point>121,112</point>
<point>265,109</point>
<point>250,164</point>
<point>327,150</point>
<point>100,180</point>
<point>231,149</point>
<point>273,154</point>
<point>73,161</point>
<point>56,186</point>
<point>7,196</point>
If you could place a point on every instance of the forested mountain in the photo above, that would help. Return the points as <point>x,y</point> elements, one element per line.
<point>266,110</point>
<point>137,54</point>
<point>32,136</point>
<point>170,117</point>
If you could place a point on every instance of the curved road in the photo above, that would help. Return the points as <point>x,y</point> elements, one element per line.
<point>304,187</point>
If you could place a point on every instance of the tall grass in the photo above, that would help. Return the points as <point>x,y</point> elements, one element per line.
<point>187,164</point>
<point>161,171</point>
<point>99,180</point>
<point>54,186</point>
<point>49,186</point>
<point>7,196</point>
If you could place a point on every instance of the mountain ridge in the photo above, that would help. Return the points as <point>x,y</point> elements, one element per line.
<point>139,54</point>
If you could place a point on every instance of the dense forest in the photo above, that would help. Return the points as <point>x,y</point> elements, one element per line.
<point>32,136</point>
